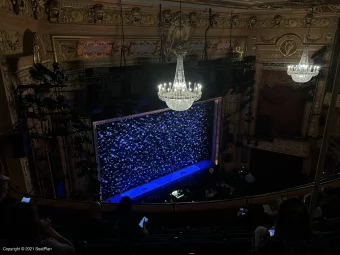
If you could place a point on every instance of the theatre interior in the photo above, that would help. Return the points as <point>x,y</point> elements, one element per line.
<point>170,127</point>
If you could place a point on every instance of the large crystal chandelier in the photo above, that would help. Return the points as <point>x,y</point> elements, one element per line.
<point>180,95</point>
<point>303,72</point>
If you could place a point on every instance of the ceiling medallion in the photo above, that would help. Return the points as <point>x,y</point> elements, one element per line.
<point>288,48</point>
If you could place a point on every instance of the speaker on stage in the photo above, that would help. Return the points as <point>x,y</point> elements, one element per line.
<point>20,145</point>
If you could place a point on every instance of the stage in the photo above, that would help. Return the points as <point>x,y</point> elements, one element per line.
<point>162,181</point>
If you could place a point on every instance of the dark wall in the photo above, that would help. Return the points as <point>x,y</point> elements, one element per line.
<point>118,91</point>
<point>123,90</point>
<point>281,111</point>
<point>275,171</point>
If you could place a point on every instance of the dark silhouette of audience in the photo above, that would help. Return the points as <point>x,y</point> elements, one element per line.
<point>127,223</point>
<point>293,233</point>
<point>24,229</point>
<point>6,202</point>
<point>330,204</point>
<point>96,227</point>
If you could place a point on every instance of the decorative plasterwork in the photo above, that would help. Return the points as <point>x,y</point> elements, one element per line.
<point>68,48</point>
<point>289,147</point>
<point>286,48</point>
<point>11,42</point>
<point>138,15</point>
<point>82,15</point>
<point>319,6</point>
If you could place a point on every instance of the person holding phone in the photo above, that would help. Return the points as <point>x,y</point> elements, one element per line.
<point>293,233</point>
<point>25,229</point>
<point>127,224</point>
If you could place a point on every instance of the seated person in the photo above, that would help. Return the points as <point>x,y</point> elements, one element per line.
<point>6,203</point>
<point>293,233</point>
<point>210,193</point>
<point>317,211</point>
<point>127,224</point>
<point>25,229</point>
<point>330,204</point>
<point>96,227</point>
<point>249,178</point>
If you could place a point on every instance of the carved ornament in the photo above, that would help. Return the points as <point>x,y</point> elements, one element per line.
<point>11,42</point>
<point>288,47</point>
<point>277,20</point>
<point>39,10</point>
<point>97,14</point>
<point>52,10</point>
<point>252,22</point>
<point>269,40</point>
<point>78,48</point>
<point>110,15</point>
<point>16,6</point>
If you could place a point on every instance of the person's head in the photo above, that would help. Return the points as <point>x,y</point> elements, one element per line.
<point>95,210</point>
<point>24,224</point>
<point>293,220</point>
<point>125,206</point>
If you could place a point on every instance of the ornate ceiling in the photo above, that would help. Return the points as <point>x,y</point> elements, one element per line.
<point>265,4</point>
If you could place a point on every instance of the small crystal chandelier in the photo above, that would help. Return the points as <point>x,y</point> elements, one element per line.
<point>180,95</point>
<point>303,72</point>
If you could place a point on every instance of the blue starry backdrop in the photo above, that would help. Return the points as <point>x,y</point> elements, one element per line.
<point>137,150</point>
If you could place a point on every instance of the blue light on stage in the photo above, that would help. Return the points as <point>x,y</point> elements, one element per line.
<point>134,151</point>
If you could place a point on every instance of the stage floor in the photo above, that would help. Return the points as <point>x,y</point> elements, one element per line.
<point>162,181</point>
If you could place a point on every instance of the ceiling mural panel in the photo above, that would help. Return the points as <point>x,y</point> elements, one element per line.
<point>94,48</point>
<point>73,48</point>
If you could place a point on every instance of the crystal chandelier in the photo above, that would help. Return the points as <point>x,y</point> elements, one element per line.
<point>180,95</point>
<point>303,72</point>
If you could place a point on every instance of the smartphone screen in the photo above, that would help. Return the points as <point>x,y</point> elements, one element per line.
<point>25,200</point>
<point>242,211</point>
<point>141,223</point>
<point>271,232</point>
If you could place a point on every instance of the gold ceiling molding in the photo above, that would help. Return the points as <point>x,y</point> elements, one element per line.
<point>284,146</point>
<point>321,6</point>
<point>106,14</point>
<point>138,17</point>
<point>286,47</point>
